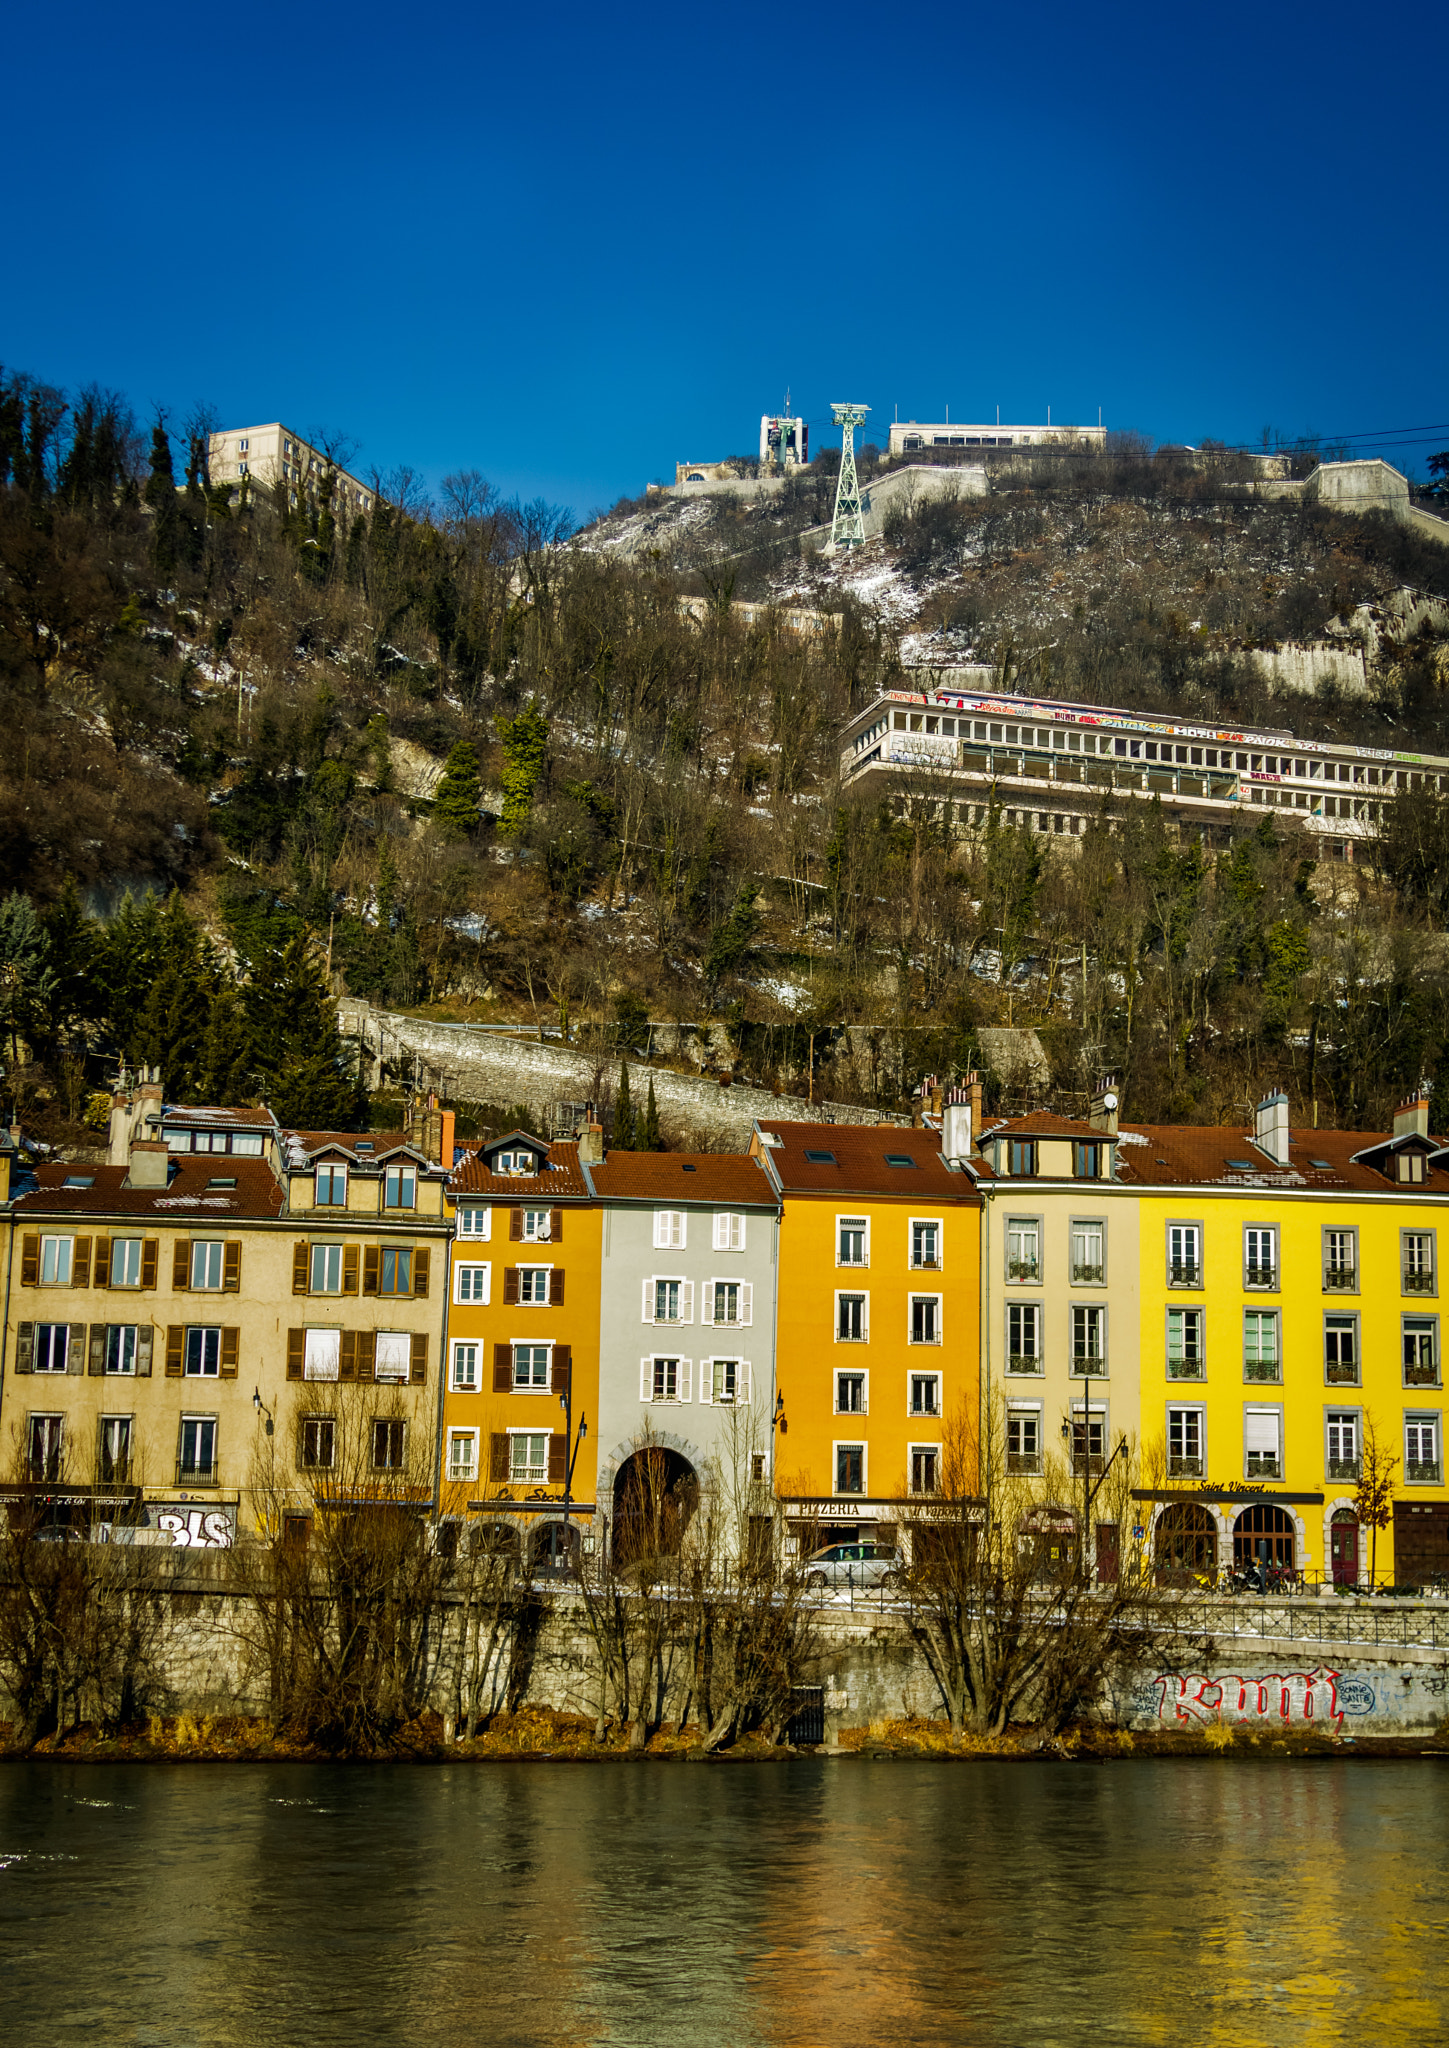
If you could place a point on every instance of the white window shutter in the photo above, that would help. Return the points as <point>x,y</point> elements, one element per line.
<point>721,1230</point>
<point>865,1316</point>
<point>686,1374</point>
<point>1262,1430</point>
<point>648,1301</point>
<point>661,1229</point>
<point>706,1381</point>
<point>677,1239</point>
<point>487,1231</point>
<point>742,1382</point>
<point>488,1281</point>
<point>686,1302</point>
<point>737,1242</point>
<point>747,1298</point>
<point>646,1379</point>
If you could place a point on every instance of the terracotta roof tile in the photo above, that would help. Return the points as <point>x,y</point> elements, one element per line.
<point>1042,1123</point>
<point>858,1162</point>
<point>187,1194</point>
<point>727,1177</point>
<point>562,1180</point>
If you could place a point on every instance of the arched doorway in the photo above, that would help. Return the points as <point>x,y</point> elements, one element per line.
<point>1185,1543</point>
<point>495,1542</point>
<point>655,1495</point>
<point>555,1550</point>
<point>1262,1523</point>
<point>1343,1547</point>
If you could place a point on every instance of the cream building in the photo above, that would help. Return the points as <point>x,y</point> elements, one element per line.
<point>276,454</point>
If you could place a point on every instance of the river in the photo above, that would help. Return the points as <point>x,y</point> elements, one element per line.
<point>834,1901</point>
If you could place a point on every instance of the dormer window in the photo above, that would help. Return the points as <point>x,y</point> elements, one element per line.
<point>1021,1157</point>
<point>400,1187</point>
<point>332,1187</point>
<point>517,1161</point>
<point>1409,1167</point>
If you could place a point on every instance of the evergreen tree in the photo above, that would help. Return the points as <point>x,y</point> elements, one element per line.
<point>296,1047</point>
<point>623,1112</point>
<point>456,798</point>
<point>525,748</point>
<point>27,981</point>
<point>225,1076</point>
<point>167,533</point>
<point>174,1023</point>
<point>649,1124</point>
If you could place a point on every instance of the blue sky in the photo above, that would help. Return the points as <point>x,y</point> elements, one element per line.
<point>568,246</point>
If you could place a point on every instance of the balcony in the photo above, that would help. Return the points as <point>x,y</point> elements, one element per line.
<point>1185,1468</point>
<point>1023,1269</point>
<point>1264,1371</point>
<point>196,1475</point>
<point>1023,1461</point>
<point>1185,1369</point>
<point>1023,1361</point>
<point>1424,1475</point>
<point>1088,1276</point>
<point>1338,1375</point>
<point>923,1264</point>
<point>1343,1468</point>
<point>1423,1375</point>
<point>1089,1368</point>
<point>1262,1276</point>
<point>1340,1279</point>
<point>1418,1281</point>
<point>1184,1275</point>
<point>1092,1463</point>
<point>1264,1465</point>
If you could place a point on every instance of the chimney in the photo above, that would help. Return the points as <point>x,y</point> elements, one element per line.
<point>120,1130</point>
<point>956,1126</point>
<point>1103,1115</point>
<point>1271,1126</point>
<point>974,1097</point>
<point>450,1125</point>
<point>1411,1118</point>
<point>150,1164</point>
<point>591,1144</point>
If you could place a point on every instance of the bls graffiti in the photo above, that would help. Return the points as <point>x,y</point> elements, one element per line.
<point>195,1530</point>
<point>1280,1696</point>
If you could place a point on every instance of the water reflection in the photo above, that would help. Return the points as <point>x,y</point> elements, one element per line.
<point>790,1904</point>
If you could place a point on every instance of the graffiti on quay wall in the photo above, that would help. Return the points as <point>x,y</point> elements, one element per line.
<point>1321,1695</point>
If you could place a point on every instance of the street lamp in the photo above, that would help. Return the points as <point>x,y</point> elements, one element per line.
<point>1088,1497</point>
<point>572,1444</point>
<point>261,1407</point>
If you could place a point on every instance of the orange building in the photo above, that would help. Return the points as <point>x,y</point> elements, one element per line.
<point>877,1341</point>
<point>520,1400</point>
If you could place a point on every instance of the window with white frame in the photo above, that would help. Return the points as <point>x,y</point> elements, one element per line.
<point>400,1187</point>
<point>1340,1261</point>
<point>533,1286</point>
<point>528,1456</point>
<point>462,1454</point>
<point>1186,1436</point>
<point>728,1302</point>
<point>1263,1442</point>
<point>1089,1339</point>
<point>729,1230</point>
<point>924,1459</point>
<point>668,1300</point>
<point>393,1357</point>
<point>46,1446</point>
<point>852,1241</point>
<point>1185,1344</point>
<point>850,1468</point>
<point>1023,1336</point>
<point>926,1242</point>
<point>538,1226</point>
<point>56,1254</point>
<point>1089,1253</point>
<point>1023,1438</point>
<point>666,1379</point>
<point>120,1348</point>
<point>1262,1355</point>
<point>322,1359</point>
<point>466,1367</point>
<point>203,1353</point>
<point>532,1368</point>
<point>1418,1261</point>
<point>475,1219</point>
<point>331,1190</point>
<point>925,1319</point>
<point>852,1318</point>
<point>925,1393</point>
<point>670,1227</point>
<point>326,1269</point>
<point>850,1393</point>
<point>472,1283</point>
<point>725,1381</point>
<point>125,1262</point>
<point>1023,1248</point>
<point>197,1456</point>
<point>1184,1255</point>
<point>1422,1450</point>
<point>1341,1449</point>
<point>115,1449</point>
<point>1260,1256</point>
<point>50,1347</point>
<point>1340,1351</point>
<point>1420,1340</point>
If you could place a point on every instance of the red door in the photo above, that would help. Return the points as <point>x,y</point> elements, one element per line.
<point>1343,1547</point>
<point>1109,1553</point>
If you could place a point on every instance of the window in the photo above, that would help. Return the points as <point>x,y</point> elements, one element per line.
<point>1263,1442</point>
<point>850,1468</point>
<point>326,1275</point>
<point>669,1229</point>
<point>1089,1258</point>
<point>1023,1336</point>
<point>397,1270</point>
<point>1185,1344</point>
<point>400,1187</point>
<point>1261,1357</point>
<point>1184,1255</point>
<point>537,1226</point>
<point>851,1320</point>
<point>462,1454</point>
<point>1185,1443</point>
<point>1089,1340</point>
<point>322,1358</point>
<point>531,1368</point>
<point>1421,1351</point>
<point>475,1219</point>
<point>389,1446</point>
<point>393,1356</point>
<point>1418,1261</point>
<point>673,1301</point>
<point>899,1159</point>
<point>332,1187</point>
<point>1023,1248</point>
<point>853,1241</point>
<point>923,1467</point>
<point>1089,1437</point>
<point>728,1301</point>
<point>203,1353</point>
<point>120,1351</point>
<point>318,1443</point>
<point>1260,1257</point>
<point>665,1379</point>
<point>51,1351</point>
<point>1340,1260</point>
<point>1086,1160</point>
<point>465,1368</point>
<point>55,1261</point>
<point>820,1158</point>
<point>125,1262</point>
<point>514,1163</point>
<point>926,1244</point>
<point>115,1449</point>
<point>1340,1350</point>
<point>925,1393</point>
<point>528,1457</point>
<point>47,1445</point>
<point>925,1318</point>
<point>1023,1439</point>
<point>729,1231</point>
<point>471,1283</point>
<point>1342,1445</point>
<point>727,1381</point>
<point>1021,1157</point>
<point>1421,1449</point>
<point>850,1395</point>
<point>197,1461</point>
<point>207,1259</point>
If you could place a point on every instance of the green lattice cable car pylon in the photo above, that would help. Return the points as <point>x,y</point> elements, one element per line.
<point>847,530</point>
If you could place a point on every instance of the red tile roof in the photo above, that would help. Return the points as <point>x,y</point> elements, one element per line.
<point>561,1181</point>
<point>858,1163</point>
<point>731,1178</point>
<point>1042,1123</point>
<point>187,1196</point>
<point>1208,1155</point>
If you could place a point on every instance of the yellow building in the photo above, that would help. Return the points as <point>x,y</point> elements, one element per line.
<point>877,1335</point>
<point>522,1394</point>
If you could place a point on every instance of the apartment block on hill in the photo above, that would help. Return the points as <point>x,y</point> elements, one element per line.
<point>276,453</point>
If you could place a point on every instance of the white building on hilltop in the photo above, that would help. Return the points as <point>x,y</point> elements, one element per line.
<point>275,454</point>
<point>912,437</point>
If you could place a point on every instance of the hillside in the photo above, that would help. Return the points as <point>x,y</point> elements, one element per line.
<point>452,758</point>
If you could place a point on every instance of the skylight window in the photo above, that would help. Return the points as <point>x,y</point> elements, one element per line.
<point>227,1181</point>
<point>821,1158</point>
<point>79,1180</point>
<point>364,1145</point>
<point>1242,1165</point>
<point>1327,1164</point>
<point>899,1159</point>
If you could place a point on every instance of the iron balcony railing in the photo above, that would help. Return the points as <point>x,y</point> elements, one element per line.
<point>1425,1474</point>
<point>1418,1281</point>
<point>1343,1468</point>
<point>1023,1361</point>
<point>1262,1276</point>
<point>1340,1279</point>
<point>1185,1369</point>
<point>1089,1368</point>
<point>1087,1273</point>
<point>1186,1273</point>
<point>1262,1370</point>
<point>1185,1468</point>
<point>1264,1465</point>
<point>1022,1461</point>
<point>1338,1374</point>
<point>1421,1374</point>
<point>1023,1269</point>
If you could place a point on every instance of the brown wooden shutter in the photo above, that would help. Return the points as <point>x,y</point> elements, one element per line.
<point>349,1269</point>
<point>296,1353</point>
<point>230,1345</point>
<point>515,1225</point>
<point>555,1287</point>
<point>422,1267</point>
<point>30,1262</point>
<point>175,1349</point>
<point>103,1262</point>
<point>348,1367</point>
<point>371,1268</point>
<point>498,1455</point>
<point>24,1346</point>
<point>419,1362</point>
<point>231,1267</point>
<point>150,1250</point>
<point>503,1368</point>
<point>98,1349</point>
<point>555,1225</point>
<point>366,1353</point>
<point>558,1458</point>
<point>299,1266</point>
<point>510,1286</point>
<point>80,1268</point>
<point>75,1349</point>
<point>181,1265</point>
<point>145,1344</point>
<point>563,1367</point>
